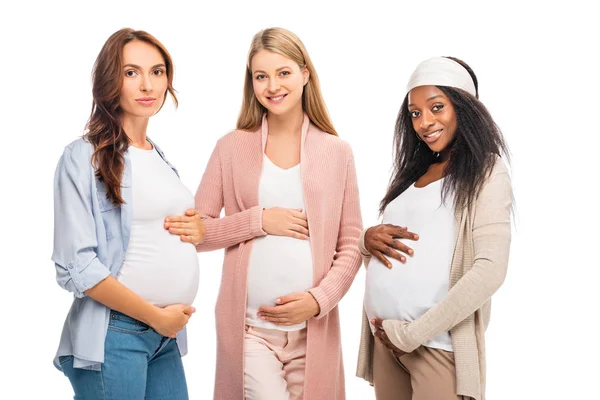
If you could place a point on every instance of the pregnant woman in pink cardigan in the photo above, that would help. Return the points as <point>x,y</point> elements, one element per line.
<point>291,228</point>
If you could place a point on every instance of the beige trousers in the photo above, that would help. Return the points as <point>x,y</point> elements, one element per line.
<point>274,364</point>
<point>424,374</point>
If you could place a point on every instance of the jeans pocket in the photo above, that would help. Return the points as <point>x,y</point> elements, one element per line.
<point>64,359</point>
<point>127,325</point>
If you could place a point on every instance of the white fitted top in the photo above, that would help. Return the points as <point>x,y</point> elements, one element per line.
<point>158,266</point>
<point>408,290</point>
<point>279,265</point>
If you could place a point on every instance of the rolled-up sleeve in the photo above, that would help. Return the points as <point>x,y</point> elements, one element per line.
<point>75,242</point>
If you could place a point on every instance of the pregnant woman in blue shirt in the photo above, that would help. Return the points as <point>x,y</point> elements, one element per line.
<point>133,276</point>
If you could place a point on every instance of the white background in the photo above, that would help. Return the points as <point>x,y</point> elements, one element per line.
<point>534,64</point>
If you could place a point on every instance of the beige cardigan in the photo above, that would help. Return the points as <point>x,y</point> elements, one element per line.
<point>478,269</point>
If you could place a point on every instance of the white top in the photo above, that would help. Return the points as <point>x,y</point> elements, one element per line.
<point>279,265</point>
<point>408,290</point>
<point>158,266</point>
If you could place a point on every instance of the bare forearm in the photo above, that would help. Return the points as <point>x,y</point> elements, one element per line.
<point>118,297</point>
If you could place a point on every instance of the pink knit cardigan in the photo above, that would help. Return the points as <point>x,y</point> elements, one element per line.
<point>332,207</point>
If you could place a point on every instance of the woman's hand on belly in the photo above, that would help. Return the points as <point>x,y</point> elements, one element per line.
<point>381,335</point>
<point>285,222</point>
<point>380,241</point>
<point>291,310</point>
<point>171,319</point>
<point>189,227</point>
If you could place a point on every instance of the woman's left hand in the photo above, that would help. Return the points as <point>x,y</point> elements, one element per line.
<point>189,227</point>
<point>290,310</point>
<point>380,333</point>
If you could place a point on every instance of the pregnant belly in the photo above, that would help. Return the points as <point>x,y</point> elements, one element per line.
<point>161,268</point>
<point>278,266</point>
<point>404,292</point>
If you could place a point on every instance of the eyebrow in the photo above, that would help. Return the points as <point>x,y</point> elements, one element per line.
<point>277,70</point>
<point>138,67</point>
<point>429,99</point>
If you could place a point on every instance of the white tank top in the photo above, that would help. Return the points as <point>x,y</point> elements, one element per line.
<point>279,265</point>
<point>158,266</point>
<point>408,290</point>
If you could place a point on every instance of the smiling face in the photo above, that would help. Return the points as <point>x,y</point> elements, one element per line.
<point>145,80</point>
<point>278,82</point>
<point>433,117</point>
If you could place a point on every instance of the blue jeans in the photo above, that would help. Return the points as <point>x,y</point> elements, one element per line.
<point>139,364</point>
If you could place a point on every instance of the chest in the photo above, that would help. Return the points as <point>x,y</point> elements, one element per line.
<point>280,187</point>
<point>283,151</point>
<point>423,211</point>
<point>434,173</point>
<point>157,191</point>
<point>322,172</point>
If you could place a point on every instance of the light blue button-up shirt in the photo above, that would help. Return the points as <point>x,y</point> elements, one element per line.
<point>91,235</point>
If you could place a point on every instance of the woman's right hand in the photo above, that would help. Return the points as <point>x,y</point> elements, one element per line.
<point>285,222</point>
<point>171,319</point>
<point>380,241</point>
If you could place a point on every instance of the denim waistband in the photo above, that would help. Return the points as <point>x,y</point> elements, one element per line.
<point>122,317</point>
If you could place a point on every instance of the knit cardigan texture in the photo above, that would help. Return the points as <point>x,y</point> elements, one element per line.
<point>330,189</point>
<point>478,269</point>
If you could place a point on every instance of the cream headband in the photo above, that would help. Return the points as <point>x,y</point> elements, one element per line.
<point>441,71</point>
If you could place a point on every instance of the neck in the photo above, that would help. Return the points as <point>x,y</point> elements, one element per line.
<point>288,124</point>
<point>135,129</point>
<point>444,157</point>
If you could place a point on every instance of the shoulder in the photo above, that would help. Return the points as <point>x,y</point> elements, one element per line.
<point>157,147</point>
<point>499,167</point>
<point>76,162</point>
<point>499,176</point>
<point>78,152</point>
<point>237,140</point>
<point>498,183</point>
<point>330,143</point>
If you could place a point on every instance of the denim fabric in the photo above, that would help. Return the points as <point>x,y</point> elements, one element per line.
<point>91,235</point>
<point>138,364</point>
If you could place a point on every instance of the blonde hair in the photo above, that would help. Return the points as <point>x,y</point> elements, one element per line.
<point>284,42</point>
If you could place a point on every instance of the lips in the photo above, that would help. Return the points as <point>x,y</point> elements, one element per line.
<point>146,101</point>
<point>276,99</point>
<point>433,136</point>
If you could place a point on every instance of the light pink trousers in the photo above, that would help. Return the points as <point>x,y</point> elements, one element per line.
<point>274,364</point>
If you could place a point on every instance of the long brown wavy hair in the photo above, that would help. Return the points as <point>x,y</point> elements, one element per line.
<point>284,42</point>
<point>104,128</point>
